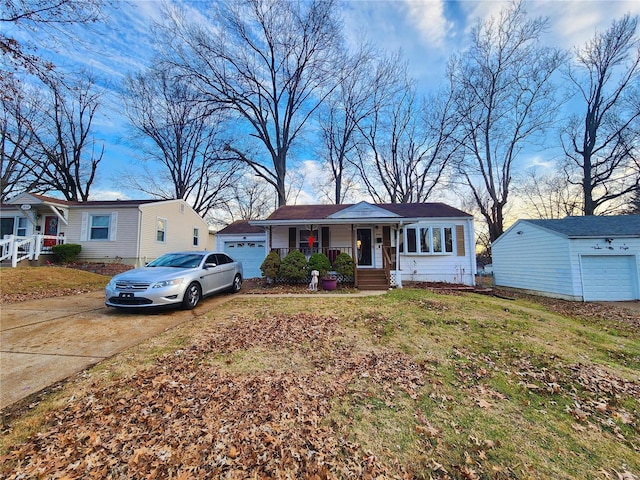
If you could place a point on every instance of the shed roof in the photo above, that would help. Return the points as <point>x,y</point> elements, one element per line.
<point>593,226</point>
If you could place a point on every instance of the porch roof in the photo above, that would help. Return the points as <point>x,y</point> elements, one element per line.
<point>363,212</point>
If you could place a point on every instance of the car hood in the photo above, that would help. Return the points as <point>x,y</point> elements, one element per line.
<point>152,273</point>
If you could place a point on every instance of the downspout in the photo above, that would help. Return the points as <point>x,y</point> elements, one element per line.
<point>139,262</point>
<point>398,270</point>
<point>472,259</point>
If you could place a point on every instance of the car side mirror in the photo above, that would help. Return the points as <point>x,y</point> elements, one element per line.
<point>209,265</point>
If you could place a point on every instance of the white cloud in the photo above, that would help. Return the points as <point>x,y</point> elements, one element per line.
<point>429,19</point>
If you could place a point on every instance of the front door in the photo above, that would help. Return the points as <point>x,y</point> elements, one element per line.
<point>50,228</point>
<point>364,247</point>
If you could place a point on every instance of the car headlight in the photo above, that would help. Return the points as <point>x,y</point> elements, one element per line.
<point>167,283</point>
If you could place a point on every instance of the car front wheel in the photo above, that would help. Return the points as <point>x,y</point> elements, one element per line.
<point>237,284</point>
<point>191,296</point>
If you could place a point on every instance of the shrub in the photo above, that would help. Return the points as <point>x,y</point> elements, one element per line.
<point>66,252</point>
<point>271,265</point>
<point>344,265</point>
<point>294,267</point>
<point>320,262</point>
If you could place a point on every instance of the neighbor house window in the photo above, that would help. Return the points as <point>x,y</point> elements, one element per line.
<point>428,240</point>
<point>196,237</point>
<point>21,228</point>
<point>100,227</point>
<point>161,230</point>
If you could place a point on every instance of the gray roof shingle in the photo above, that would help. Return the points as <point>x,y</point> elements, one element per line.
<point>593,226</point>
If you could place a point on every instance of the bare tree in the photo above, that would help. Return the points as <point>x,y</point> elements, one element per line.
<point>633,206</point>
<point>603,142</point>
<point>175,129</point>
<point>345,111</point>
<point>32,15</point>
<point>272,63</point>
<point>408,144</point>
<point>549,195</point>
<point>250,200</point>
<point>65,156</point>
<point>504,99</point>
<point>18,122</point>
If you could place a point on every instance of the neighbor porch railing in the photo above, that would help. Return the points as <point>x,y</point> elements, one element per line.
<point>16,248</point>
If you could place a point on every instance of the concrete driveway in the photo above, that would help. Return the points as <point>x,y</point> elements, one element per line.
<point>45,341</point>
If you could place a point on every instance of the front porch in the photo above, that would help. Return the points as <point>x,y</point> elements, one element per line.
<point>366,277</point>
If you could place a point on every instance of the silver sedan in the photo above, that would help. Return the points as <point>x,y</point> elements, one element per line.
<point>175,278</point>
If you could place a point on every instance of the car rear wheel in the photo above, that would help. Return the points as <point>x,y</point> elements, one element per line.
<point>237,284</point>
<point>191,296</point>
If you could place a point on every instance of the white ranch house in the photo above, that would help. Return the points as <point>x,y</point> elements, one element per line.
<point>592,258</point>
<point>131,232</point>
<point>390,243</point>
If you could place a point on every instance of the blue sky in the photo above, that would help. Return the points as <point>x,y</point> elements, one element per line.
<point>427,32</point>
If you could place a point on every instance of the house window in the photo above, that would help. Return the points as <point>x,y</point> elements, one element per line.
<point>412,244</point>
<point>196,237</point>
<point>99,227</point>
<point>21,227</point>
<point>161,230</point>
<point>308,240</point>
<point>428,240</point>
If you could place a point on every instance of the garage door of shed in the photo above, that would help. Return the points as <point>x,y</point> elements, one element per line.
<point>251,254</point>
<point>609,278</point>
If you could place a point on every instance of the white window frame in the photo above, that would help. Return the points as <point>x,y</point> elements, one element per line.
<point>92,227</point>
<point>161,221</point>
<point>421,237</point>
<point>196,236</point>
<point>21,226</point>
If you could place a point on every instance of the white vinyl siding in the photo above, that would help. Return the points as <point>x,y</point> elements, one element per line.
<point>532,258</point>
<point>181,221</point>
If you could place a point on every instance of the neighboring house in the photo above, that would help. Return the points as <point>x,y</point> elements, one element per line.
<point>590,258</point>
<point>390,243</point>
<point>245,242</point>
<point>127,231</point>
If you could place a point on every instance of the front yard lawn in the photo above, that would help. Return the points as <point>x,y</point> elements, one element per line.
<point>412,384</point>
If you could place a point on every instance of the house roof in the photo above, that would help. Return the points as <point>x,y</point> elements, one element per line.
<point>361,211</point>
<point>44,199</point>
<point>240,227</point>
<point>592,226</point>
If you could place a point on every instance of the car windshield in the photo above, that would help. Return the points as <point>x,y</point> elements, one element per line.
<point>180,260</point>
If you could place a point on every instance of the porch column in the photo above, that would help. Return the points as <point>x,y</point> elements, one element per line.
<point>398,273</point>
<point>354,256</point>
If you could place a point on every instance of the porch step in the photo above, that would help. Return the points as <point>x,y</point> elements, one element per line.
<point>372,279</point>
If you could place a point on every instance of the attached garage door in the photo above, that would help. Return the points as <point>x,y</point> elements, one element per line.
<point>251,254</point>
<point>609,277</point>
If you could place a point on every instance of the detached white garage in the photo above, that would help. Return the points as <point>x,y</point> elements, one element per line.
<point>577,258</point>
<point>246,243</point>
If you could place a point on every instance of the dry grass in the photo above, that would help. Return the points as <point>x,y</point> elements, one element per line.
<point>25,283</point>
<point>412,384</point>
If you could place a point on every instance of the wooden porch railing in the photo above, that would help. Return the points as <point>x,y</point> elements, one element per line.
<point>331,252</point>
<point>21,248</point>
